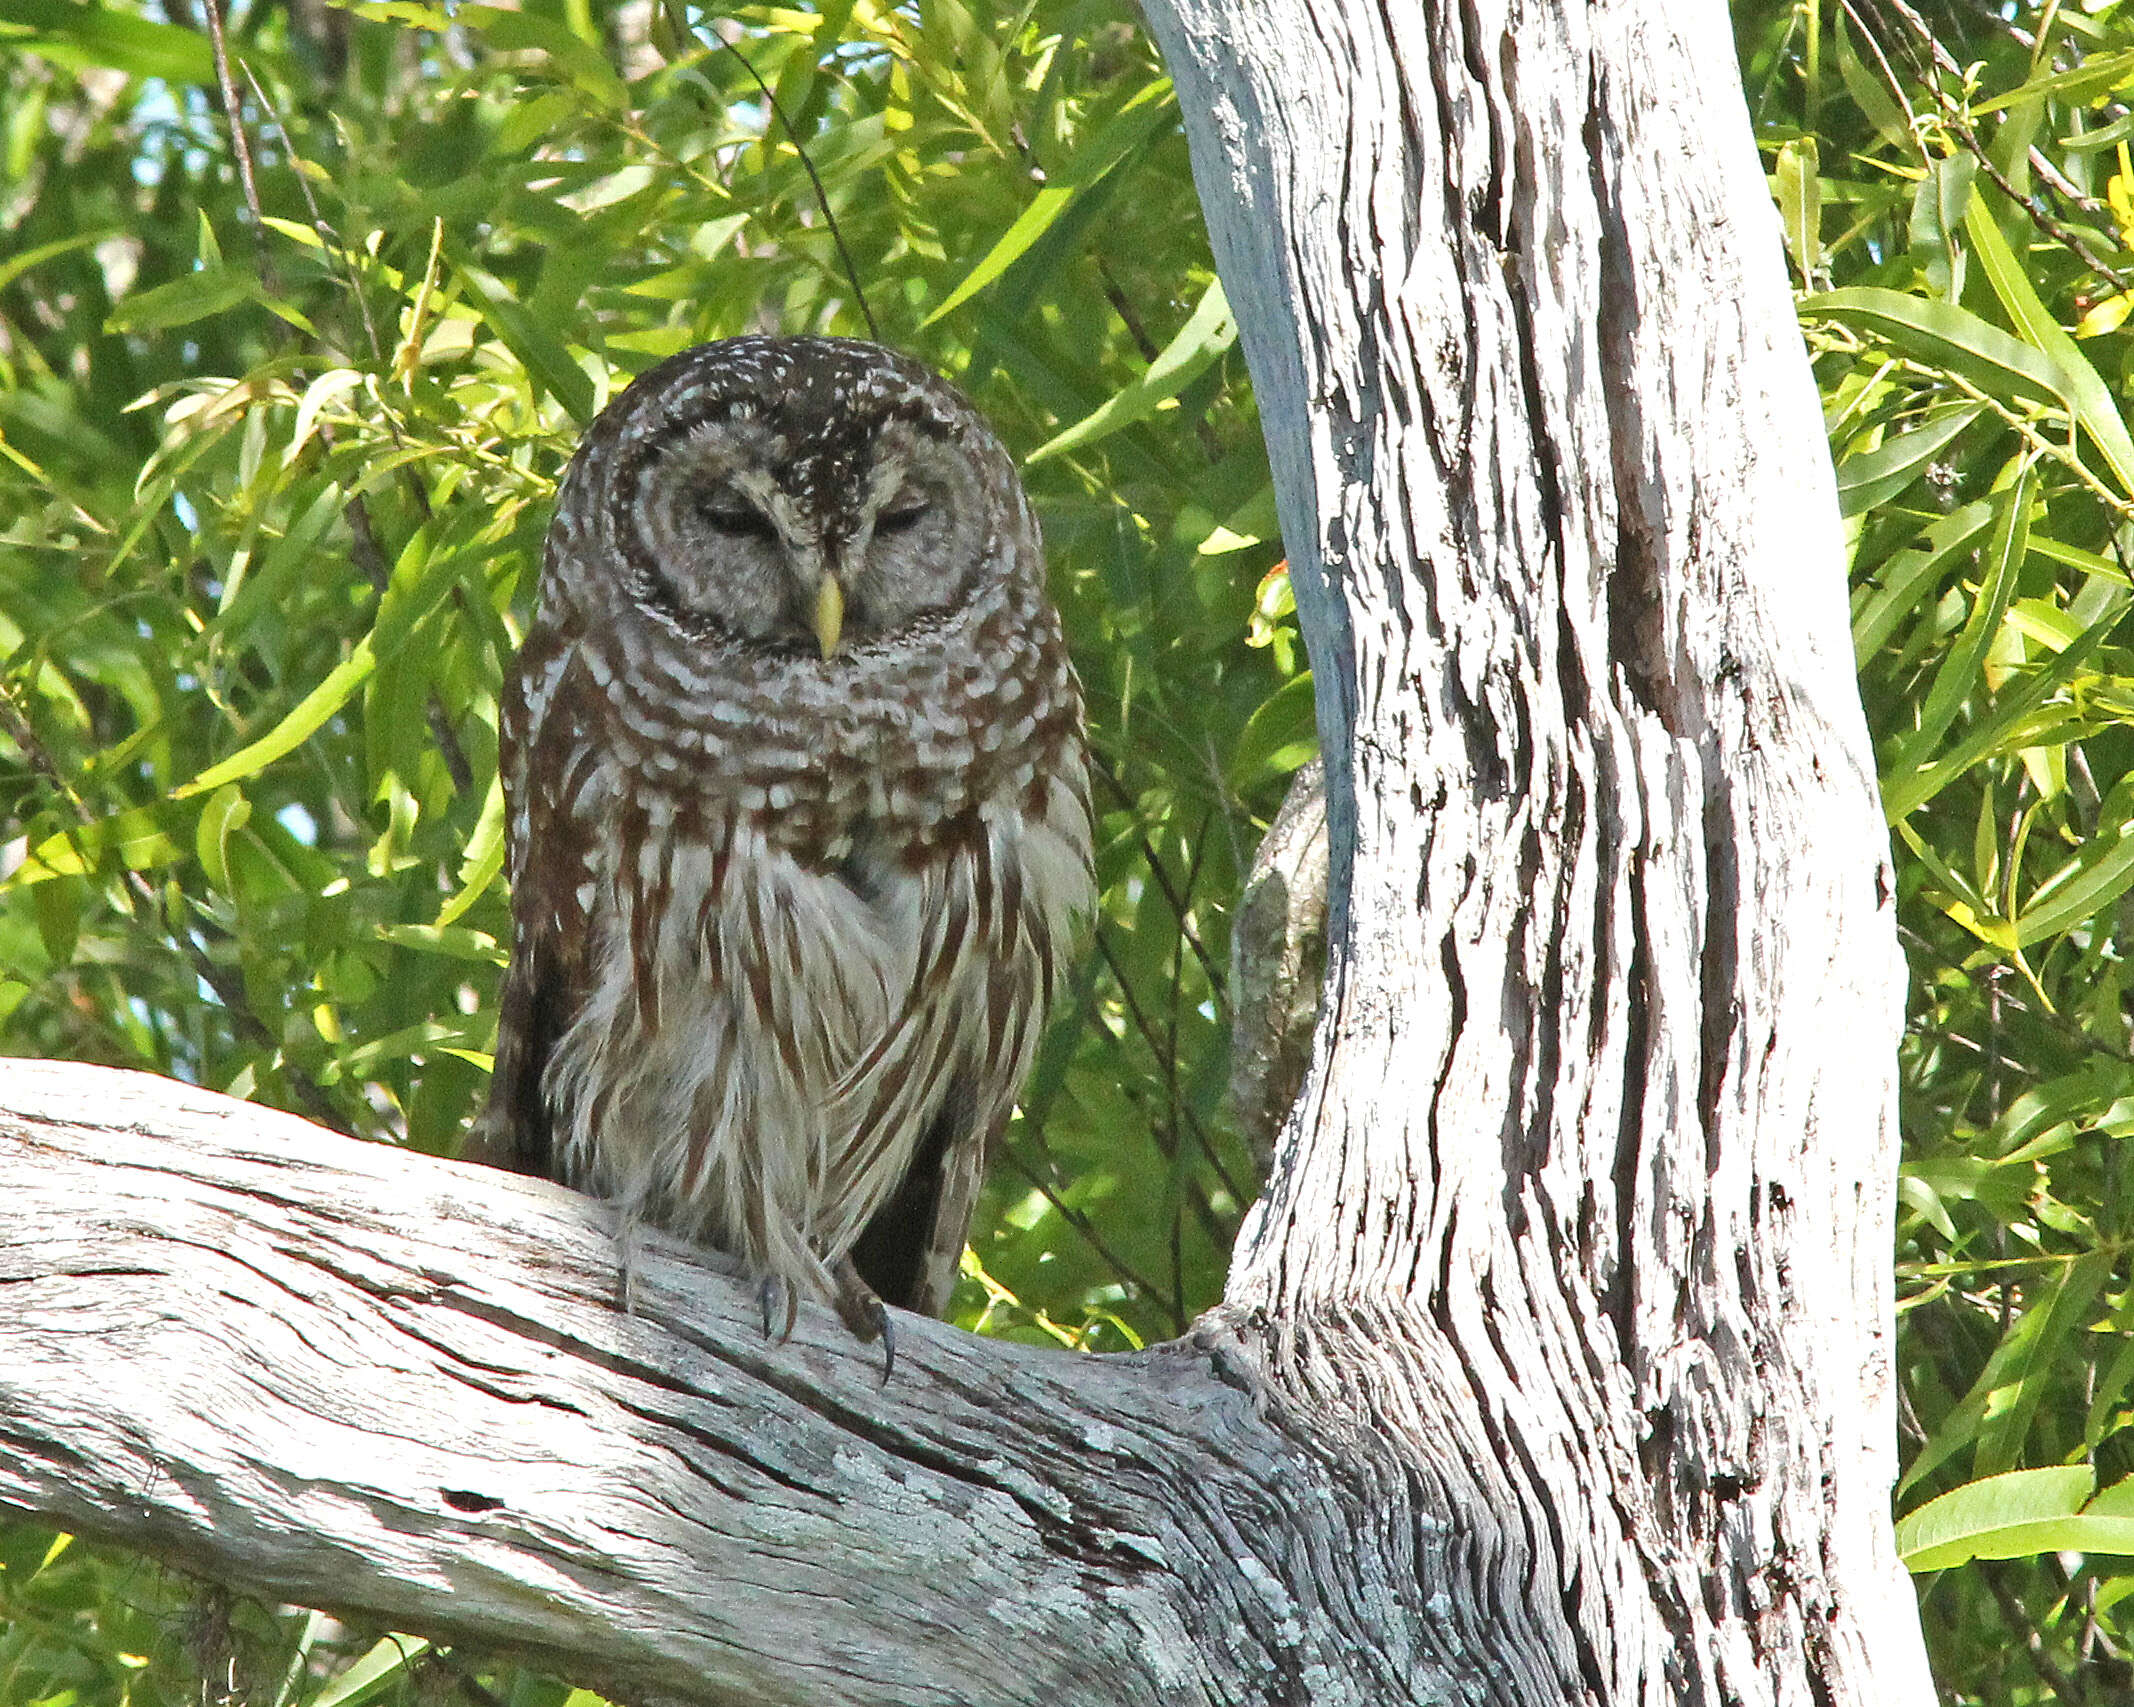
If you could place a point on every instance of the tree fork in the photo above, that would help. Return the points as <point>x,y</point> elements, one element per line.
<point>1555,1362</point>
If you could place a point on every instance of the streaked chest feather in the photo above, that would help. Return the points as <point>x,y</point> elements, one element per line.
<point>768,1033</point>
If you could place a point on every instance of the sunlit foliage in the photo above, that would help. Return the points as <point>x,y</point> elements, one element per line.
<point>1958,202</point>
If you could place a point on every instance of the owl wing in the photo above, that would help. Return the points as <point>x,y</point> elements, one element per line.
<point>550,763</point>
<point>1000,915</point>
<point>912,1248</point>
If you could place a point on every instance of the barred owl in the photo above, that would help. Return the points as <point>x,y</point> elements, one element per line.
<point>799,820</point>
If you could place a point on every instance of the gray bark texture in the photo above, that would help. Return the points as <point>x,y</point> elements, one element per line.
<point>1555,1365</point>
<point>1582,1215</point>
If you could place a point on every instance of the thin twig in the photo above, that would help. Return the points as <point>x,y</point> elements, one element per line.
<point>1890,78</point>
<point>2064,186</point>
<point>329,239</point>
<point>450,750</point>
<point>1960,128</point>
<point>468,1684</point>
<point>2062,454</point>
<point>2068,1691</point>
<point>1217,984</point>
<point>1149,1036</point>
<point>1123,306</point>
<point>822,196</point>
<point>240,144</point>
<point>1142,1022</point>
<point>1155,1129</point>
<point>1081,1223</point>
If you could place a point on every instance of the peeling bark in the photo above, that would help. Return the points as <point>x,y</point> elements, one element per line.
<point>328,1372</point>
<point>1555,1365</point>
<point>1604,1085</point>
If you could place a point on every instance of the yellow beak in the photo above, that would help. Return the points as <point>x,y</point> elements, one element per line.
<point>829,614</point>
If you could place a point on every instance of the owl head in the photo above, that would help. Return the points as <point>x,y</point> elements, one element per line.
<point>793,496</point>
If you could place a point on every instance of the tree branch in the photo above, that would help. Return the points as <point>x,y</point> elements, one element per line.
<point>333,1373</point>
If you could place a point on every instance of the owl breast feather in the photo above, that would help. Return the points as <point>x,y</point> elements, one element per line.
<point>825,911</point>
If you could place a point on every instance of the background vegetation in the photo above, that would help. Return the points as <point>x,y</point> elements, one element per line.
<point>1958,199</point>
<point>296,336</point>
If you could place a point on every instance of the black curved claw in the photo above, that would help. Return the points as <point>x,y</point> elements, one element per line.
<point>889,1339</point>
<point>626,1263</point>
<point>865,1314</point>
<point>768,1291</point>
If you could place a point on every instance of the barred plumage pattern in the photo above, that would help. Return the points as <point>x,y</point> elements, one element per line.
<point>793,882</point>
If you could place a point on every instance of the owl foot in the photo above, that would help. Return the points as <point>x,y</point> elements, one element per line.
<point>769,1290</point>
<point>626,1262</point>
<point>865,1314</point>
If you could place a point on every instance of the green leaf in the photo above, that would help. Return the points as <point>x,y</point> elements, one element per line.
<point>2077,380</point>
<point>1992,1417</point>
<point>1798,191</point>
<point>2089,562</point>
<point>544,355</point>
<point>1942,335</point>
<point>1999,1517</point>
<point>2103,1419</point>
<point>2104,136</point>
<point>2080,87</point>
<point>136,835</point>
<point>385,1664</point>
<point>2009,724</point>
<point>1959,898</point>
<point>1909,576</point>
<point>1961,672</point>
<point>483,860</point>
<point>1278,737</point>
<point>2100,871</point>
<point>73,34</point>
<point>1937,208</point>
<point>1200,342</point>
<point>292,731</point>
<point>575,61</point>
<point>333,383</point>
<point>456,942</point>
<point>1257,518</point>
<point>1869,479</point>
<point>226,812</point>
<point>2037,1343</point>
<point>58,909</point>
<point>211,290</point>
<point>1868,92</point>
<point>15,266</point>
<point>1140,119</point>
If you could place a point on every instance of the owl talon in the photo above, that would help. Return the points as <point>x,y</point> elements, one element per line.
<point>865,1314</point>
<point>626,1263</point>
<point>768,1292</point>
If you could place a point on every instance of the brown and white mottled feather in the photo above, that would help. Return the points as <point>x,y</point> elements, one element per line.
<point>786,922</point>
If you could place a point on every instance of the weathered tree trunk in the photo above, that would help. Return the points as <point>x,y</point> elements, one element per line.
<point>1583,1217</point>
<point>1555,1364</point>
